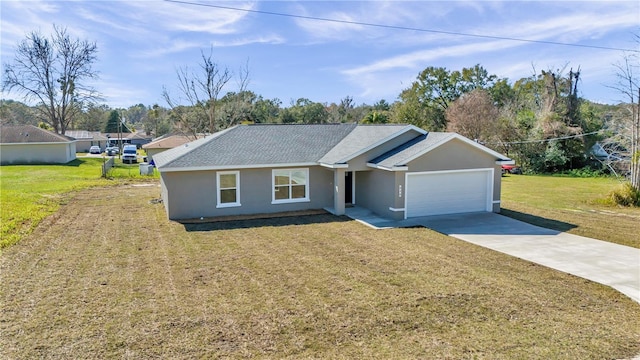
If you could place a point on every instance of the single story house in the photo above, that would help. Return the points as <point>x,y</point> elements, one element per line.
<point>139,138</point>
<point>86,139</point>
<point>28,144</point>
<point>396,171</point>
<point>165,142</point>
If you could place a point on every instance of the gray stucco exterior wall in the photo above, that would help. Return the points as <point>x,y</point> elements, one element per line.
<point>376,190</point>
<point>458,155</point>
<point>193,194</point>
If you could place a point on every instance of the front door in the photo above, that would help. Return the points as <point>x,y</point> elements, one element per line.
<point>348,187</point>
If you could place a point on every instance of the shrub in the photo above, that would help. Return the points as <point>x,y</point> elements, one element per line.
<point>625,195</point>
<point>585,172</point>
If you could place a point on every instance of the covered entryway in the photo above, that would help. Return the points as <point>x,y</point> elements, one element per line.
<point>448,192</point>
<point>348,187</point>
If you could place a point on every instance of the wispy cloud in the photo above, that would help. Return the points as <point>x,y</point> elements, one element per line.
<point>416,58</point>
<point>168,47</point>
<point>190,18</point>
<point>260,39</point>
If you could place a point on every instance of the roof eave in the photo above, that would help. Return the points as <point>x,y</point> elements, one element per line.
<point>480,147</point>
<point>234,167</point>
<point>334,166</point>
<point>387,168</point>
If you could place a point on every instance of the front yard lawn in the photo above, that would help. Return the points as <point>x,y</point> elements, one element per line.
<point>96,281</point>
<point>570,204</point>
<point>29,193</point>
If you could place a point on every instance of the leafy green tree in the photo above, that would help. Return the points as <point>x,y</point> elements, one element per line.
<point>157,121</point>
<point>94,118</point>
<point>266,110</point>
<point>376,117</point>
<point>236,108</point>
<point>114,123</point>
<point>287,116</point>
<point>378,114</point>
<point>135,114</point>
<point>434,90</point>
<point>305,111</point>
<point>16,113</point>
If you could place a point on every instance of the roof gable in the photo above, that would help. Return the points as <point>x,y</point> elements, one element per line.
<point>25,134</point>
<point>402,155</point>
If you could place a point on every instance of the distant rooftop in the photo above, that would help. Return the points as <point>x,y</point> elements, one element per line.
<point>22,134</point>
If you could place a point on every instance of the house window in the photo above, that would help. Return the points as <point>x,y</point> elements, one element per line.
<point>228,187</point>
<point>290,185</point>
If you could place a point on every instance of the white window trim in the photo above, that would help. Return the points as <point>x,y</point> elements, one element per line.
<point>226,205</point>
<point>288,201</point>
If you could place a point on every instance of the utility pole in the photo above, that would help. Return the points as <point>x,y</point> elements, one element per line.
<point>119,135</point>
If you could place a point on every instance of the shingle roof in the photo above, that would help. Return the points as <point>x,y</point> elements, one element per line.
<point>85,135</point>
<point>360,138</point>
<point>247,145</point>
<point>265,145</point>
<point>168,142</point>
<point>22,134</point>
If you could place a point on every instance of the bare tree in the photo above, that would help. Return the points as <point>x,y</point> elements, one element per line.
<point>52,72</point>
<point>627,73</point>
<point>473,115</point>
<point>237,108</point>
<point>201,90</point>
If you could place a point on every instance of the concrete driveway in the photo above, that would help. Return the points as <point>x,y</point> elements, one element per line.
<point>610,264</point>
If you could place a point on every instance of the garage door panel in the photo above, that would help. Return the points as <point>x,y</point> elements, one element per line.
<point>447,192</point>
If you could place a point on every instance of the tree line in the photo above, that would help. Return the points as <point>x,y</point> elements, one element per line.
<point>540,120</point>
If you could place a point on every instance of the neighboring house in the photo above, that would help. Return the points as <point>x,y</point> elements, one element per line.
<point>139,138</point>
<point>28,144</point>
<point>165,142</point>
<point>86,139</point>
<point>396,171</point>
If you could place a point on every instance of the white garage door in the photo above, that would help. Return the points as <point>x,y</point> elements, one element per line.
<point>448,192</point>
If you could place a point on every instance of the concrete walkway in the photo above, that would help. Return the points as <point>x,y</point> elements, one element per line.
<point>607,263</point>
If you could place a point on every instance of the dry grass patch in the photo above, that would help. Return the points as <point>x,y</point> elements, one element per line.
<point>574,205</point>
<point>97,281</point>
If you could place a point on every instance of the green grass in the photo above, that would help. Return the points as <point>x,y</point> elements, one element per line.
<point>575,205</point>
<point>97,282</point>
<point>29,193</point>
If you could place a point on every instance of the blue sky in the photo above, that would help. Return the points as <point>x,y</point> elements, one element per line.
<point>142,43</point>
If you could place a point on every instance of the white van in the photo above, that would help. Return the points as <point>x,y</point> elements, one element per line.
<point>130,154</point>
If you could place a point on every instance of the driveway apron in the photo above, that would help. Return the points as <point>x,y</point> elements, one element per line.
<point>607,263</point>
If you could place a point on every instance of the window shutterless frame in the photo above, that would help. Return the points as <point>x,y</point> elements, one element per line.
<point>227,189</point>
<point>289,185</point>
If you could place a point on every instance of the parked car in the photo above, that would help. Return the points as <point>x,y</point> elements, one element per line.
<point>112,150</point>
<point>94,150</point>
<point>130,154</point>
<point>511,169</point>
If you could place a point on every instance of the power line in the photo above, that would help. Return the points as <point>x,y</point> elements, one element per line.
<point>394,27</point>
<point>548,140</point>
